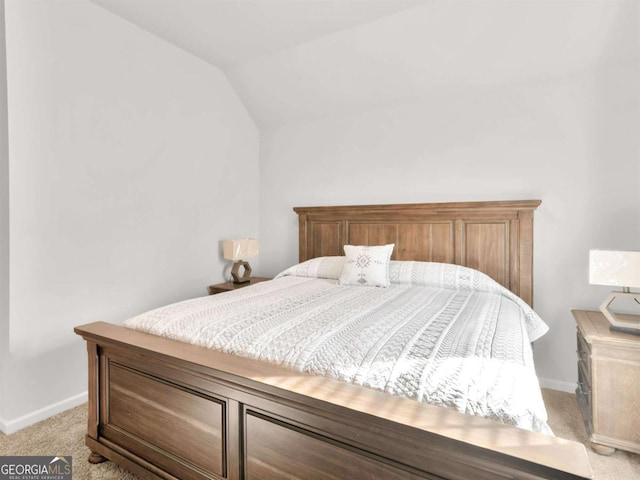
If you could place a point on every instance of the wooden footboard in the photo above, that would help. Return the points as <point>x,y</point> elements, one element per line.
<point>165,409</point>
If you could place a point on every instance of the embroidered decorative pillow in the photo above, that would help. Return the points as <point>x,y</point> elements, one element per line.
<point>367,266</point>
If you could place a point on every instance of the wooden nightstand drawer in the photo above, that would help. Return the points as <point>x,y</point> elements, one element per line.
<point>584,376</point>
<point>583,395</point>
<point>584,356</point>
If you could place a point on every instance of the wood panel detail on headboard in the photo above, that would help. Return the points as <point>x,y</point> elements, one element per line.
<point>493,237</point>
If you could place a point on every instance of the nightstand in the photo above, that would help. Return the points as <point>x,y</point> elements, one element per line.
<point>228,286</point>
<point>608,390</point>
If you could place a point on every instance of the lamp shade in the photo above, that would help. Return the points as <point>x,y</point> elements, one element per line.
<point>240,249</point>
<point>612,267</point>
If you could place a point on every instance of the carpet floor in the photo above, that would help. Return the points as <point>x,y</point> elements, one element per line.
<point>63,434</point>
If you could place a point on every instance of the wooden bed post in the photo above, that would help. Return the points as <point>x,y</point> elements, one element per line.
<point>93,391</point>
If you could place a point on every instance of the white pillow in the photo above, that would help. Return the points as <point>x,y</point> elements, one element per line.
<point>367,266</point>
<point>319,267</point>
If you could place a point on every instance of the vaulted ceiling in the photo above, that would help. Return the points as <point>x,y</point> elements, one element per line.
<point>292,60</point>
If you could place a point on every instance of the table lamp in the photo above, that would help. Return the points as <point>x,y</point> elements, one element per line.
<point>620,269</point>
<point>239,251</point>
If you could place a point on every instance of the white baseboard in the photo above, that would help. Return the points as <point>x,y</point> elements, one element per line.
<point>557,385</point>
<point>12,426</point>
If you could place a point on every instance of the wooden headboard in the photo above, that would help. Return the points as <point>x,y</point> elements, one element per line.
<point>493,237</point>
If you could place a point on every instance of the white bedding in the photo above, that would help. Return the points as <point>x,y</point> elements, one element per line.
<point>441,334</point>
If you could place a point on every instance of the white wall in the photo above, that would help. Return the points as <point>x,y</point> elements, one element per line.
<point>129,161</point>
<point>570,141</point>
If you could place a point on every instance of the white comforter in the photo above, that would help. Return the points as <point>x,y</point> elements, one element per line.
<point>441,334</point>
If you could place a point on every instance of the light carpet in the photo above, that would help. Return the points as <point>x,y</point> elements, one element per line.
<point>63,434</point>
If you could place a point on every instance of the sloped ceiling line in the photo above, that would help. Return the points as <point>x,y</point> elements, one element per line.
<point>291,60</point>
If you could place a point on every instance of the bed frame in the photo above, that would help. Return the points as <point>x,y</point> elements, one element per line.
<point>163,409</point>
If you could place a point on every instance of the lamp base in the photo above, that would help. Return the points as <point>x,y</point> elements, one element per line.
<point>627,323</point>
<point>235,272</point>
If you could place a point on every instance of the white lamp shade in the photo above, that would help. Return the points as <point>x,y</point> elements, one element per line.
<point>240,249</point>
<point>617,268</point>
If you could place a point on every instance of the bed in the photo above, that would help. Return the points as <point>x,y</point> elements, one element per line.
<point>164,408</point>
